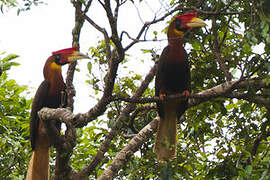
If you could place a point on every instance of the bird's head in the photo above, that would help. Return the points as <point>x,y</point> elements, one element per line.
<point>62,57</point>
<point>184,22</point>
<point>68,55</point>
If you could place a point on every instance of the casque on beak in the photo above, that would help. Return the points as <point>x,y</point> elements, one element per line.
<point>76,55</point>
<point>196,22</point>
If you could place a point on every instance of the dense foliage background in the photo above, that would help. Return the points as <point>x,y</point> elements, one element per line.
<point>223,135</point>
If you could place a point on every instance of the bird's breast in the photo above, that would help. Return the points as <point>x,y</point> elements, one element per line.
<point>54,96</point>
<point>176,77</point>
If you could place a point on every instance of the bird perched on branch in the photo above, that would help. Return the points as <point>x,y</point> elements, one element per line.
<point>49,94</point>
<point>173,77</point>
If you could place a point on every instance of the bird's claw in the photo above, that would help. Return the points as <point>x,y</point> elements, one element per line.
<point>185,93</point>
<point>162,97</point>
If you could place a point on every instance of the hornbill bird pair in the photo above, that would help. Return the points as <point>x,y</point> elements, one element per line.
<point>173,77</point>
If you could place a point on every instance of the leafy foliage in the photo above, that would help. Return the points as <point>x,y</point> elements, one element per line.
<point>21,5</point>
<point>225,137</point>
<point>14,125</point>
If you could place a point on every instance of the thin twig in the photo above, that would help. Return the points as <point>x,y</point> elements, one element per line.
<point>217,53</point>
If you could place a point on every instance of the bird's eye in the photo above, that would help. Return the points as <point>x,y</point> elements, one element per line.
<point>57,58</point>
<point>178,24</point>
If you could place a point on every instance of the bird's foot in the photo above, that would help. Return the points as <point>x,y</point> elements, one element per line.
<point>185,93</point>
<point>162,96</point>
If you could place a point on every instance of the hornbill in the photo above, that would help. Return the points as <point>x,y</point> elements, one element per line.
<point>49,94</point>
<point>173,77</point>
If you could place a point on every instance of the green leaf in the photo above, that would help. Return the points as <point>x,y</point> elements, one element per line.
<point>247,48</point>
<point>89,67</point>
<point>196,45</point>
<point>248,170</point>
<point>265,30</point>
<point>267,80</point>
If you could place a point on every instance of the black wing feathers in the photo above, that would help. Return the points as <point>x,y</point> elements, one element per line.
<point>159,82</point>
<point>38,103</point>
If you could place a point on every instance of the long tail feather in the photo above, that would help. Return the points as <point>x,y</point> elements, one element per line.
<point>38,168</point>
<point>165,144</point>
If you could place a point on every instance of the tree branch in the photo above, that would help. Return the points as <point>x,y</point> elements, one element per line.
<point>103,31</point>
<point>63,144</point>
<point>217,53</point>
<point>134,144</point>
<point>79,21</point>
<point>113,18</point>
<point>146,25</point>
<point>222,90</point>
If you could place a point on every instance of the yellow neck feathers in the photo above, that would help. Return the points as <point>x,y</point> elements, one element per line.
<point>55,66</point>
<point>179,33</point>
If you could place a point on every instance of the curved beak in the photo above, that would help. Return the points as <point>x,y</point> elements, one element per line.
<point>196,22</point>
<point>76,55</point>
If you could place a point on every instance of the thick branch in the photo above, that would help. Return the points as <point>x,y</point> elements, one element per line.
<point>48,115</point>
<point>63,144</point>
<point>222,90</point>
<point>134,144</point>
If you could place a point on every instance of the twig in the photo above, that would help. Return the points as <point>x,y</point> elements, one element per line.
<point>113,24</point>
<point>195,9</point>
<point>10,166</point>
<point>102,30</point>
<point>217,53</point>
<point>145,26</point>
<point>136,112</point>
